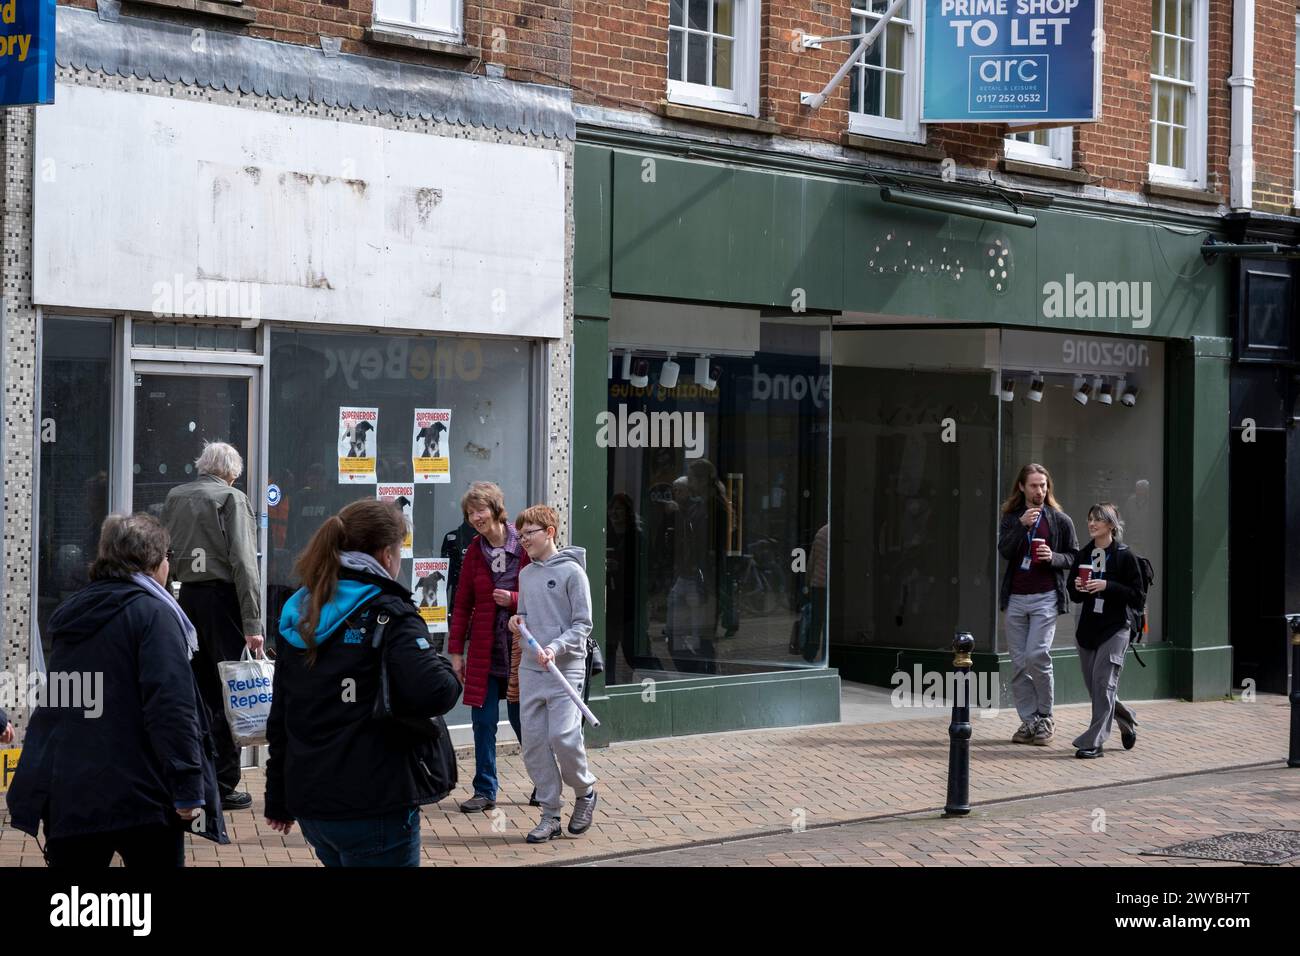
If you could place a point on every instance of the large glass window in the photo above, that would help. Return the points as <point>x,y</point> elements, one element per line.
<point>717,539</point>
<point>440,17</point>
<point>76,452</point>
<point>485,384</point>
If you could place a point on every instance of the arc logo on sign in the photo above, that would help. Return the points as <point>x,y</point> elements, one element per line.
<point>272,495</point>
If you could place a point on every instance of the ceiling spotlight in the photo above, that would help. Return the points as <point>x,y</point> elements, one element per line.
<point>1129,397</point>
<point>1036,386</point>
<point>1105,395</point>
<point>611,366</point>
<point>640,376</point>
<point>668,374</point>
<point>995,383</point>
<point>1008,391</point>
<point>627,365</point>
<point>1082,389</point>
<point>704,373</point>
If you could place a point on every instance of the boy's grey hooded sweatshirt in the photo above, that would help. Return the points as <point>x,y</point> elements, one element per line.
<point>555,600</point>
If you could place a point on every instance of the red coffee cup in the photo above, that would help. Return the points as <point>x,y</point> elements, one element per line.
<point>1085,573</point>
<point>1037,543</point>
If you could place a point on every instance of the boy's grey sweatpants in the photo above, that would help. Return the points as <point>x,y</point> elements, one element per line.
<point>1101,670</point>
<point>554,752</point>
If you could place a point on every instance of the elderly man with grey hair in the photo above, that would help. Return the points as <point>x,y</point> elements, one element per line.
<point>214,538</point>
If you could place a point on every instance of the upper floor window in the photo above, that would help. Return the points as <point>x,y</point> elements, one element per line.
<point>713,54</point>
<point>441,18</point>
<point>883,98</point>
<point>1295,141</point>
<point>1179,30</point>
<point>1046,147</point>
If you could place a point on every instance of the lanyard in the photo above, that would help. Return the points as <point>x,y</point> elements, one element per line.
<point>1029,538</point>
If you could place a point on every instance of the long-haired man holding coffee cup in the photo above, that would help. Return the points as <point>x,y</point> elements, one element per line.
<point>1037,540</point>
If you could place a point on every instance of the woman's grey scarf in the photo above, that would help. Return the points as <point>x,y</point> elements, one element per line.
<point>360,561</point>
<point>164,595</point>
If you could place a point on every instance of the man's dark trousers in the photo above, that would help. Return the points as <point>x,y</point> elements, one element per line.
<point>213,608</point>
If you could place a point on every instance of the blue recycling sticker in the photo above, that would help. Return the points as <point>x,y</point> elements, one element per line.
<point>272,495</point>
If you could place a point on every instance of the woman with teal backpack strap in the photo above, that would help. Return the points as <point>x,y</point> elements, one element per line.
<point>349,766</point>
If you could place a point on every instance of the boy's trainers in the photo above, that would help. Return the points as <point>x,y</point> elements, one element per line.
<point>548,829</point>
<point>1044,731</point>
<point>1025,735</point>
<point>582,812</point>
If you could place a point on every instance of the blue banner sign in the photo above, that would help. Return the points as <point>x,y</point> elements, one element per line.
<point>998,61</point>
<point>26,52</point>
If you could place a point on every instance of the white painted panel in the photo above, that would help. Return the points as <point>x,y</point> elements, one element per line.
<point>680,327</point>
<point>327,222</point>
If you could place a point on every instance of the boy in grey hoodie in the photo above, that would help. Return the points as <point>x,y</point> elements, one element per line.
<point>555,604</point>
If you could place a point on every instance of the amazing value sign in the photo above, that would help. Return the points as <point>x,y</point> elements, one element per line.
<point>998,61</point>
<point>26,52</point>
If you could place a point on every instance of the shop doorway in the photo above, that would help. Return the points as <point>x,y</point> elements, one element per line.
<point>1257,545</point>
<point>178,407</point>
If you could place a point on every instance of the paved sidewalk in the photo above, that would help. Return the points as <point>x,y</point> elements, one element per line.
<point>678,791</point>
<point>1107,827</point>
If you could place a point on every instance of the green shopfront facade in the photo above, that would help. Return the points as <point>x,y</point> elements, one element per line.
<point>836,392</point>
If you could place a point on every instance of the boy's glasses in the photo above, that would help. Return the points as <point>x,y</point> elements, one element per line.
<point>531,531</point>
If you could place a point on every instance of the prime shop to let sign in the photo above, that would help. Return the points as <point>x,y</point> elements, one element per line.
<point>1010,60</point>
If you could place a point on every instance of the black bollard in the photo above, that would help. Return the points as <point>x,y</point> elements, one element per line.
<point>1293,758</point>
<point>959,730</point>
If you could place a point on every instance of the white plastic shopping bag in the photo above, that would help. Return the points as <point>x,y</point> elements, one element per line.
<point>246,690</point>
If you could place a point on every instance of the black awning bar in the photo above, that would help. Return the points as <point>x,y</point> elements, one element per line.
<point>955,208</point>
<point>1212,248</point>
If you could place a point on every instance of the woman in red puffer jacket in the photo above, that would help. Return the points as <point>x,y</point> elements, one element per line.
<point>486,596</point>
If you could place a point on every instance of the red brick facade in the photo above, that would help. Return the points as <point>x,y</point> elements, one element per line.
<point>615,54</point>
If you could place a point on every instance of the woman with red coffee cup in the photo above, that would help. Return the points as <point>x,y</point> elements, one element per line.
<point>1107,581</point>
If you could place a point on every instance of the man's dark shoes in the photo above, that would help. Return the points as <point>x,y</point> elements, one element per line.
<point>1092,753</point>
<point>236,800</point>
<point>477,804</point>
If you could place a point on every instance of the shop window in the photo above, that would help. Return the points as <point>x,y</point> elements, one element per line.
<point>200,337</point>
<point>75,427</point>
<point>1047,147</point>
<point>1109,449</point>
<point>717,538</point>
<point>442,18</point>
<point>317,378</point>
<point>1179,39</point>
<point>713,53</point>
<point>883,98</point>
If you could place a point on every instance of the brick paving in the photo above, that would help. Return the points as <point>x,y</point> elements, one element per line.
<point>1108,827</point>
<point>674,792</point>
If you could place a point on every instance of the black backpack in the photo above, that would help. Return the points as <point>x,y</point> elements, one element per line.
<point>1138,622</point>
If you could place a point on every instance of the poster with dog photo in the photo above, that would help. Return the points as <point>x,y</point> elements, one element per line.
<point>403,495</point>
<point>429,591</point>
<point>358,445</point>
<point>431,446</point>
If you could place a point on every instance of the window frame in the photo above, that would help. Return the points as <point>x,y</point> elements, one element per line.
<point>908,128</point>
<point>1058,152</point>
<point>743,97</point>
<point>454,33</point>
<point>1194,173</point>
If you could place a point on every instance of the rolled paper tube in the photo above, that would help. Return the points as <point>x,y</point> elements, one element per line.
<point>550,666</point>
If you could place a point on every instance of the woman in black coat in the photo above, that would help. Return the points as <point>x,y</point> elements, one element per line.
<point>1112,597</point>
<point>352,777</point>
<point>118,758</point>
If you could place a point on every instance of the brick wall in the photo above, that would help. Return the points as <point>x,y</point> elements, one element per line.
<point>528,38</point>
<point>620,50</point>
